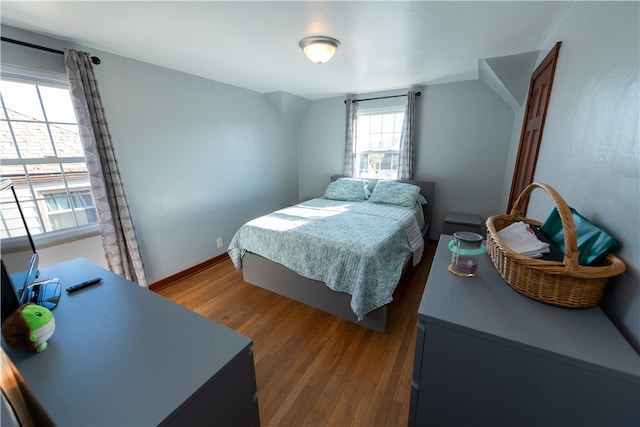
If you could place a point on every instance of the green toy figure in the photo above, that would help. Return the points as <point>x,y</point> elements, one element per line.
<point>29,327</point>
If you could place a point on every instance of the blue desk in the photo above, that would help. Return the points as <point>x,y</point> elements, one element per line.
<point>123,355</point>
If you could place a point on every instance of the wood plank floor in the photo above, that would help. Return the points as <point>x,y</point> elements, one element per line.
<point>312,368</point>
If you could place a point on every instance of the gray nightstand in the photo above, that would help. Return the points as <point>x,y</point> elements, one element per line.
<point>455,221</point>
<point>488,356</point>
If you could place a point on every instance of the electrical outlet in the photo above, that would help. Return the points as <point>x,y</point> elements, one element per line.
<point>219,241</point>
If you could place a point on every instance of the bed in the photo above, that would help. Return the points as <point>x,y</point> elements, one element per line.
<point>369,241</point>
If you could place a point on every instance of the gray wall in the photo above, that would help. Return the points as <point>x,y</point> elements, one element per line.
<point>198,158</point>
<point>463,135</point>
<point>590,147</point>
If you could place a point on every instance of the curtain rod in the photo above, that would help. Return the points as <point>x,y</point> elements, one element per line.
<point>380,97</point>
<point>94,59</point>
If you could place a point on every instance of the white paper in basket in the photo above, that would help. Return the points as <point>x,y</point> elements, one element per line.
<point>520,238</point>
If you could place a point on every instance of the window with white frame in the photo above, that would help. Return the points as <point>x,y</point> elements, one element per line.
<point>41,152</point>
<point>377,142</point>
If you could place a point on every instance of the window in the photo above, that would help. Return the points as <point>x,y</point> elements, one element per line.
<point>42,154</point>
<point>68,210</point>
<point>377,144</point>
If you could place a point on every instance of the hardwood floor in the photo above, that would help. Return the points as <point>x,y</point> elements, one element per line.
<point>312,368</point>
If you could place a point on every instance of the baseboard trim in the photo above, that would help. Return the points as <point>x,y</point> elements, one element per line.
<point>197,269</point>
<point>188,272</point>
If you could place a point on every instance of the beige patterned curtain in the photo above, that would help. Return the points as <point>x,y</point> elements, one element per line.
<point>407,139</point>
<point>116,228</point>
<point>350,142</point>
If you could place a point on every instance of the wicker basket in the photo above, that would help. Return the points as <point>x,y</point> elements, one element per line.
<point>564,284</point>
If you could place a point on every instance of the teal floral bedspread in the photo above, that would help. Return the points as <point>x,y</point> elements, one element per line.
<point>354,247</point>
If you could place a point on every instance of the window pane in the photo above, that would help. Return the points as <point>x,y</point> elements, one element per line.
<point>363,124</point>
<point>84,207</point>
<point>64,211</point>
<point>41,171</point>
<point>60,221</point>
<point>11,220</point>
<point>55,194</point>
<point>376,123</point>
<point>67,140</point>
<point>76,174</point>
<point>7,147</point>
<point>12,171</point>
<point>387,141</point>
<point>83,211</point>
<point>388,122</point>
<point>86,216</point>
<point>363,141</point>
<point>376,141</point>
<point>21,101</point>
<point>64,202</point>
<point>81,199</point>
<point>377,144</point>
<point>57,202</point>
<point>51,204</point>
<point>386,161</point>
<point>57,104</point>
<point>399,122</point>
<point>30,211</point>
<point>33,140</point>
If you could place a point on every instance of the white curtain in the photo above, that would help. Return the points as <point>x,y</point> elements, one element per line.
<point>116,228</point>
<point>407,139</point>
<point>350,143</point>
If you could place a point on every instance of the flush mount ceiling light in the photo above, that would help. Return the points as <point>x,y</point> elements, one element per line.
<point>319,49</point>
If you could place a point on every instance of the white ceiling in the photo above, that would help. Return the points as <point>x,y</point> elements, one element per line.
<point>385,45</point>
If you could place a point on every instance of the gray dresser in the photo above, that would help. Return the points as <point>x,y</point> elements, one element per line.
<point>123,355</point>
<point>487,355</point>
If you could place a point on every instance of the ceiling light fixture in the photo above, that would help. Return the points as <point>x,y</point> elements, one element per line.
<point>319,49</point>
